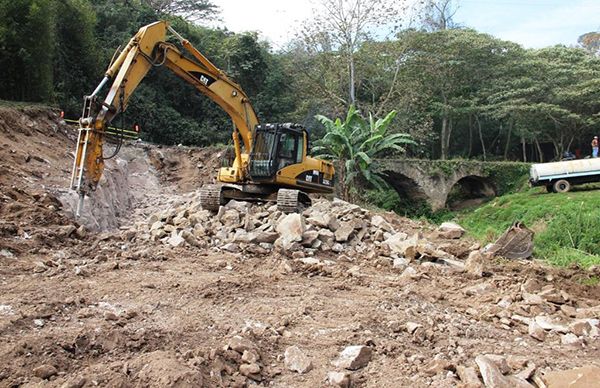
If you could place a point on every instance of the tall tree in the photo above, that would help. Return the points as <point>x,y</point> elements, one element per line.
<point>438,15</point>
<point>449,66</point>
<point>343,25</point>
<point>76,62</point>
<point>26,41</point>
<point>590,42</point>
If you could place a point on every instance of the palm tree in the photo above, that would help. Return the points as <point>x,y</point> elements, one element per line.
<point>355,142</point>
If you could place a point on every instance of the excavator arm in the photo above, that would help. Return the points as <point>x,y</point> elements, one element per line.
<point>149,48</point>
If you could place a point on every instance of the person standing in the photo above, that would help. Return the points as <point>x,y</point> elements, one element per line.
<point>595,147</point>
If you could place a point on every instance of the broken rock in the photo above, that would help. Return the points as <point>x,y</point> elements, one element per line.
<point>450,230</point>
<point>536,331</point>
<point>354,357</point>
<point>437,366</point>
<point>290,229</point>
<point>249,369</point>
<point>339,379</point>
<point>45,371</point>
<point>493,377</point>
<point>399,244</point>
<point>468,376</point>
<point>581,328</point>
<point>474,264</point>
<point>296,360</point>
<point>343,232</point>
<point>250,356</point>
<point>547,323</point>
<point>586,376</point>
<point>380,223</point>
<point>571,339</point>
<point>240,344</point>
<point>176,240</point>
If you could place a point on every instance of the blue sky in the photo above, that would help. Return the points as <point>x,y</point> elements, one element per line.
<point>532,23</point>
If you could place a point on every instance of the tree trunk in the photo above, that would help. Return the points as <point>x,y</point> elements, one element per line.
<point>445,138</point>
<point>470,137</point>
<point>557,146</point>
<point>342,180</point>
<point>351,86</point>
<point>449,136</point>
<point>507,146</point>
<point>570,142</point>
<point>481,138</point>
<point>539,149</point>
<point>524,148</point>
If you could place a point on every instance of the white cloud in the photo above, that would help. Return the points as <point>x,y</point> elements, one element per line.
<point>277,21</point>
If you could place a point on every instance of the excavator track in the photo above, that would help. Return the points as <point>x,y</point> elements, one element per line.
<point>211,197</point>
<point>291,201</point>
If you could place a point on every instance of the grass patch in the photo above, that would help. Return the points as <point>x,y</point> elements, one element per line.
<point>567,225</point>
<point>591,281</point>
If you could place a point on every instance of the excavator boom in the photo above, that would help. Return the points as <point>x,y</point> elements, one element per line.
<point>146,49</point>
<point>275,168</point>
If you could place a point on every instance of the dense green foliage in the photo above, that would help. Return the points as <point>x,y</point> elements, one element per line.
<point>27,37</point>
<point>464,94</point>
<point>567,225</point>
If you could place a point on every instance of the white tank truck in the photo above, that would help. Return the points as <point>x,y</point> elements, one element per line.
<point>559,177</point>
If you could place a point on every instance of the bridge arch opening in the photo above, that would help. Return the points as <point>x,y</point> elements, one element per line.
<point>471,190</point>
<point>410,194</point>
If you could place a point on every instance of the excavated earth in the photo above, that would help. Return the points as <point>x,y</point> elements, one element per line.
<point>148,289</point>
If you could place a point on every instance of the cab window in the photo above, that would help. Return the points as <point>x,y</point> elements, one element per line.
<point>288,149</point>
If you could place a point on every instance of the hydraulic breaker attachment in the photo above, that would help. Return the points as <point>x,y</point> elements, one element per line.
<point>88,164</point>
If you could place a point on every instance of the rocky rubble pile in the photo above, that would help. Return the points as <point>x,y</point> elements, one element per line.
<point>337,228</point>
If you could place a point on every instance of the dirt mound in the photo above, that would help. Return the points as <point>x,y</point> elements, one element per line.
<point>187,168</point>
<point>36,156</point>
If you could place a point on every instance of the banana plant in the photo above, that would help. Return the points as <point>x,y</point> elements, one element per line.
<point>355,142</point>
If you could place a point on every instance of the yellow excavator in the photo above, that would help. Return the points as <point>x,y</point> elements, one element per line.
<point>271,162</point>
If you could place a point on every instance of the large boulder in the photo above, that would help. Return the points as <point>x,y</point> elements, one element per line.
<point>290,228</point>
<point>450,230</point>
<point>344,231</point>
<point>400,245</point>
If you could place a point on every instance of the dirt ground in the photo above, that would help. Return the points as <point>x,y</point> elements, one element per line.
<point>95,306</point>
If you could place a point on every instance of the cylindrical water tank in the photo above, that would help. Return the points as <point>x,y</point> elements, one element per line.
<point>556,170</point>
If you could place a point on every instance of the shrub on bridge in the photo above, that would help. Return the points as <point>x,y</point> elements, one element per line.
<point>508,177</point>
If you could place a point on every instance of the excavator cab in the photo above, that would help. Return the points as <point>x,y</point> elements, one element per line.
<point>276,146</point>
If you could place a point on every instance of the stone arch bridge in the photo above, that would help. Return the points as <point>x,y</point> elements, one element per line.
<point>433,180</point>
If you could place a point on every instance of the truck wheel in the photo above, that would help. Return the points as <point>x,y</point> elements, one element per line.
<point>562,186</point>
